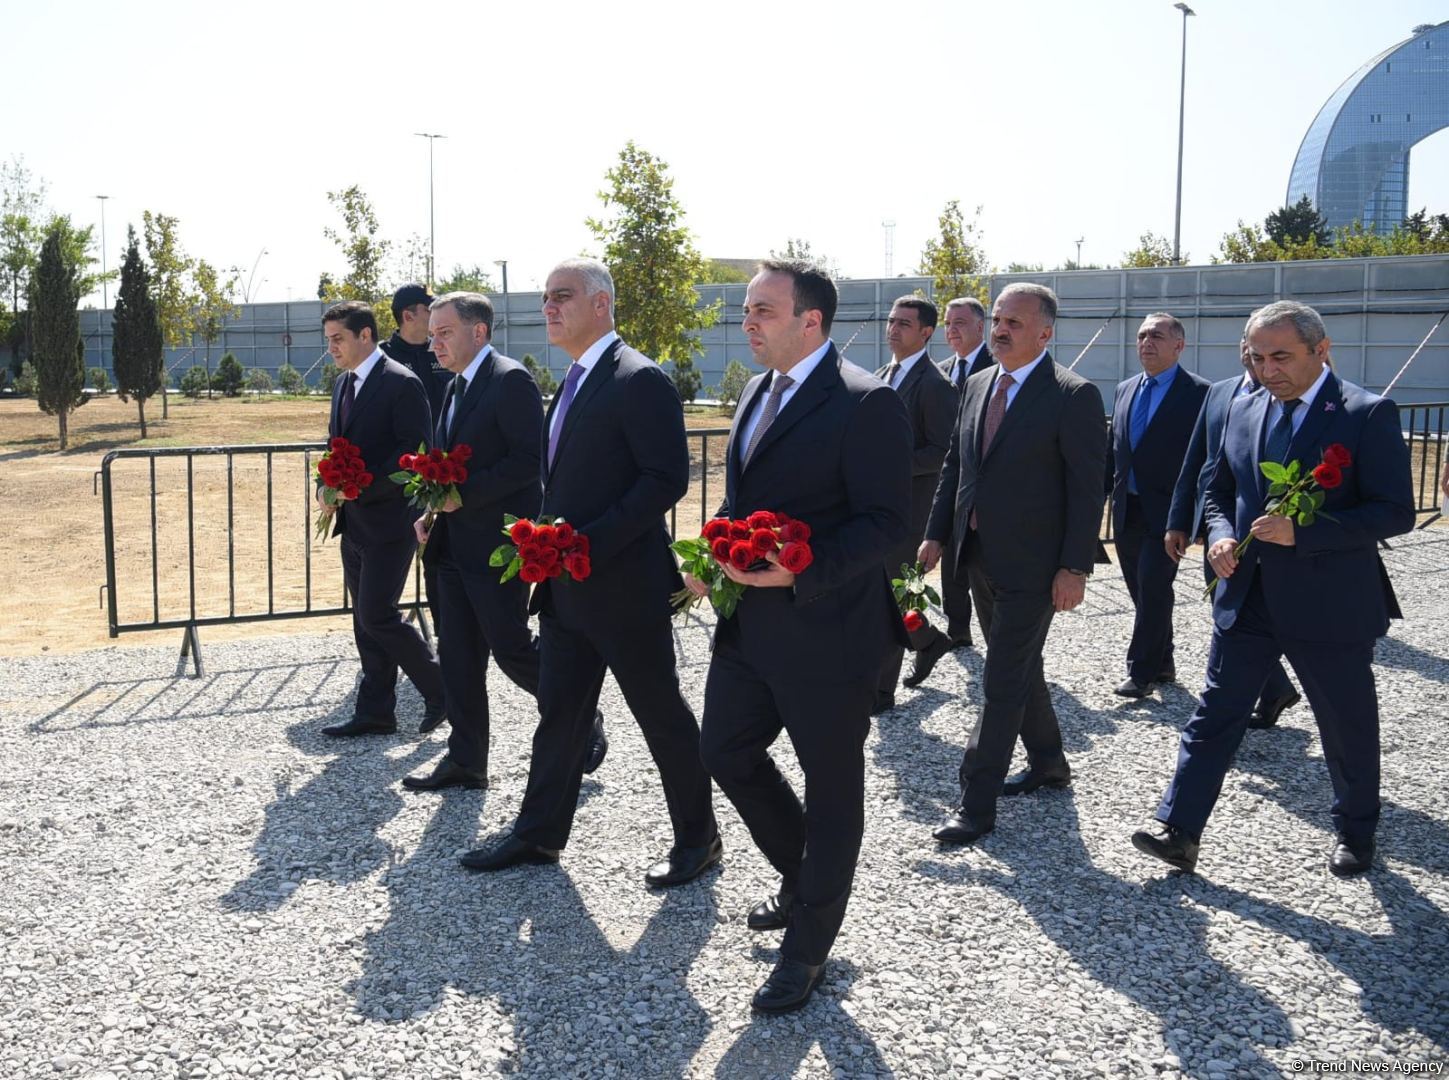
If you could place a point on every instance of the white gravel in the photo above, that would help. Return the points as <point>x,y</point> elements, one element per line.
<point>198,884</point>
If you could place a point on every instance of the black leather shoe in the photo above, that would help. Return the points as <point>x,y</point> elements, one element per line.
<point>1133,689</point>
<point>447,774</point>
<point>433,716</point>
<point>1167,675</point>
<point>788,987</point>
<point>598,745</point>
<point>684,864</point>
<point>510,851</point>
<point>1351,857</point>
<point>1170,844</point>
<point>1265,716</point>
<point>1024,783</point>
<point>960,641</point>
<point>883,704</point>
<point>926,659</point>
<point>362,725</point>
<point>962,828</point>
<point>771,913</point>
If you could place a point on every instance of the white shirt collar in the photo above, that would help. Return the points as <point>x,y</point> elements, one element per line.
<point>593,352</point>
<point>970,358</point>
<point>1021,374</point>
<point>1312,391</point>
<point>801,371</point>
<point>364,369</point>
<point>906,366</point>
<point>471,371</point>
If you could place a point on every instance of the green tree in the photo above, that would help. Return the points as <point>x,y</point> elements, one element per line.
<point>290,380</point>
<point>732,384</point>
<point>686,378</point>
<point>1033,268</point>
<point>195,382</point>
<point>137,348</point>
<point>213,304</point>
<point>719,272</point>
<point>653,260</point>
<point>22,199</point>
<point>98,380</point>
<point>170,282</point>
<point>1299,222</point>
<point>25,382</point>
<point>258,381</point>
<point>327,378</point>
<point>55,330</point>
<point>466,279</point>
<point>229,375</point>
<point>954,261</point>
<point>799,248</point>
<point>1151,250</point>
<point>362,249</point>
<point>547,384</point>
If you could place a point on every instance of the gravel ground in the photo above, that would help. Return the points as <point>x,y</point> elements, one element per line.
<point>196,883</point>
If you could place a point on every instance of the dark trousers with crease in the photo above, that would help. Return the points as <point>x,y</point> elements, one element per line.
<point>375,576</point>
<point>1277,686</point>
<point>955,599</point>
<point>572,662</point>
<point>1014,627</point>
<point>1339,681</point>
<point>480,618</point>
<point>1149,573</point>
<point>813,846</point>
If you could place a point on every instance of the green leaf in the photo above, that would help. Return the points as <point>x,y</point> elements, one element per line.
<point>933,596</point>
<point>1307,517</point>
<point>1294,469</point>
<point>502,554</point>
<point>422,448</point>
<point>510,519</point>
<point>513,568</point>
<point>1318,498</point>
<point>1277,488</point>
<point>1274,471</point>
<point>400,477</point>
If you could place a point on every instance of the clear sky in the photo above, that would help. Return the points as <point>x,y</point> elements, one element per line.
<point>817,120</point>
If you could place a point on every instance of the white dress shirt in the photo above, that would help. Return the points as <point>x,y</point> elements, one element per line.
<point>799,373</point>
<point>586,362</point>
<point>1019,376</point>
<point>469,374</point>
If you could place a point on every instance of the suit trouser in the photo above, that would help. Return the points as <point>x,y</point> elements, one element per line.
<point>1149,573</point>
<point>481,618</point>
<point>1014,627</point>
<point>572,662</point>
<point>1339,681</point>
<point>375,576</point>
<point>1278,685</point>
<point>814,847</point>
<point>955,599</point>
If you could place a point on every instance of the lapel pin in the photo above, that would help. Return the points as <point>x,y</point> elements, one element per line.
<point>1329,406</point>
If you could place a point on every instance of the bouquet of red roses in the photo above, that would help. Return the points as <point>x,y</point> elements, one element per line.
<point>1296,494</point>
<point>742,543</point>
<point>430,478</point>
<point>537,550</point>
<point>913,595</point>
<point>343,475</point>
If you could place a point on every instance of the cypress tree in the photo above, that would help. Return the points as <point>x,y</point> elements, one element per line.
<point>57,350</point>
<point>136,345</point>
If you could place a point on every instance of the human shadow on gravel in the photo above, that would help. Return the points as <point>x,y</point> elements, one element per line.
<point>525,939</point>
<point>1391,652</point>
<point>773,1046</point>
<point>1136,940</point>
<point>328,828</point>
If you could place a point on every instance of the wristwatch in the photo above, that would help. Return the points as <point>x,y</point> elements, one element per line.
<point>1075,573</point>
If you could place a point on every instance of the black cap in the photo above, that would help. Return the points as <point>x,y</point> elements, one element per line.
<point>408,296</point>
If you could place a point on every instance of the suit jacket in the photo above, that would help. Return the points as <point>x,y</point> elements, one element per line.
<point>1037,489</point>
<point>983,360</point>
<point>930,402</point>
<point>837,457</point>
<point>1156,463</point>
<point>501,420</point>
<point>389,417</point>
<point>1330,585</point>
<point>1185,514</point>
<point>622,462</point>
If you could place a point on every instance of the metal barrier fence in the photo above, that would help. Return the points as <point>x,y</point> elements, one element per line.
<point>288,545</point>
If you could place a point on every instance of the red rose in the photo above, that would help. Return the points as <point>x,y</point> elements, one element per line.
<point>796,556</point>
<point>914,620</point>
<point>337,443</point>
<point>763,540</point>
<point>563,534</point>
<point>548,556</point>
<point>352,491</point>
<point>327,473</point>
<point>532,573</point>
<point>521,531</point>
<point>581,543</point>
<point>556,570</point>
<point>762,519</point>
<point>460,474</point>
<point>795,531</point>
<point>739,530</point>
<point>716,528</point>
<point>1337,455</point>
<point>741,554</point>
<point>720,549</point>
<point>781,517</point>
<point>545,534</point>
<point>405,462</point>
<point>364,479</point>
<point>577,566</point>
<point>530,551</point>
<point>435,454</point>
<point>1328,476</point>
<point>461,453</point>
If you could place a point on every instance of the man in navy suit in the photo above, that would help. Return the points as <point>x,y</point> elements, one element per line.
<point>614,461</point>
<point>1152,420</point>
<point>1316,593</point>
<point>821,440</point>
<point>1185,521</point>
<point>382,408</point>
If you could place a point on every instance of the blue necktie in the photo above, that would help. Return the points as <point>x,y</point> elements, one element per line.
<point>1282,434</point>
<point>565,399</point>
<point>1141,410</point>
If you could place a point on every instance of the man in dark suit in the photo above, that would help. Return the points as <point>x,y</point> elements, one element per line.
<point>380,407</point>
<point>1152,421</point>
<point>1019,505</point>
<point>410,347</point>
<point>1316,593</point>
<point>614,461</point>
<point>1185,521</point>
<point>820,440</point>
<point>930,402</point>
<point>966,334</point>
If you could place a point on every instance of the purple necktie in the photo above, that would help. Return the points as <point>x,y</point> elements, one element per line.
<point>995,414</point>
<point>565,399</point>
<point>349,395</point>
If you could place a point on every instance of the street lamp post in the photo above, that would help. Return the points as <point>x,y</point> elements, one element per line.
<point>1181,115</point>
<point>105,302</point>
<point>502,264</point>
<point>432,254</point>
<point>1080,240</point>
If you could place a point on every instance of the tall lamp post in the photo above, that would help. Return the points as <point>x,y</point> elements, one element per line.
<point>1079,241</point>
<point>432,254</point>
<point>1181,115</point>
<point>105,302</point>
<point>502,264</point>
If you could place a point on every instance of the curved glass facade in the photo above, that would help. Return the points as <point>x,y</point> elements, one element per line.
<point>1354,160</point>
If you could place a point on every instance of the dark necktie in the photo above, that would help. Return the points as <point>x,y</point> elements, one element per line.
<point>1282,434</point>
<point>963,368</point>
<point>565,399</point>
<point>767,414</point>
<point>459,388</point>
<point>892,370</point>
<point>349,395</point>
<point>1142,410</point>
<point>995,413</point>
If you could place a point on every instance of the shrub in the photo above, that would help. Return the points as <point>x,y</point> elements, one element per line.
<point>290,380</point>
<point>547,384</point>
<point>194,382</point>
<point>25,381</point>
<point>686,378</point>
<point>258,381</point>
<point>98,379</point>
<point>229,375</point>
<point>326,377</point>
<point>732,384</point>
